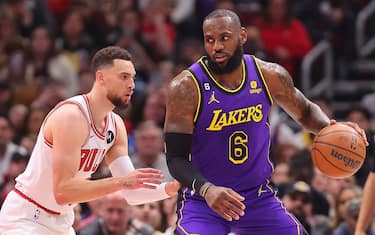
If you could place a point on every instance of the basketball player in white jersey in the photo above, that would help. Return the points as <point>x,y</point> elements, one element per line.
<point>74,138</point>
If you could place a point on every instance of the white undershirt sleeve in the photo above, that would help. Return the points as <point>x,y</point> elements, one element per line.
<point>122,166</point>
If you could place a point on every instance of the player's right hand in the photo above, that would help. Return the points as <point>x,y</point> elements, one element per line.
<point>225,202</point>
<point>142,178</point>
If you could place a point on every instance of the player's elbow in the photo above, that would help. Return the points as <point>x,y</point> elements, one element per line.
<point>60,197</point>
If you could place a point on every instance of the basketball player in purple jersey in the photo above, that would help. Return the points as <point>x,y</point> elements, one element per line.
<point>218,136</point>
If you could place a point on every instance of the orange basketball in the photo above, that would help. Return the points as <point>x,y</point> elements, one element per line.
<point>338,151</point>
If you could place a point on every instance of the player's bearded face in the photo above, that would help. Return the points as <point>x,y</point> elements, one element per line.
<point>233,62</point>
<point>117,101</point>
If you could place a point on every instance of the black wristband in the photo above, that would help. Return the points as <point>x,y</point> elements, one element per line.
<point>177,152</point>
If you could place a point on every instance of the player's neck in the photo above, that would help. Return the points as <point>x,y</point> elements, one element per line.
<point>230,80</point>
<point>99,106</point>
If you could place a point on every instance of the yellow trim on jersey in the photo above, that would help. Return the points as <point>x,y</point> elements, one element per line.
<point>180,211</point>
<point>286,211</point>
<point>199,96</point>
<point>218,84</point>
<point>261,77</point>
<point>268,151</point>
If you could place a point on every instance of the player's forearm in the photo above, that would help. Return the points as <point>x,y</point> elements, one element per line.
<point>368,206</point>
<point>80,190</point>
<point>178,151</point>
<point>313,118</point>
<point>142,196</point>
<point>123,166</point>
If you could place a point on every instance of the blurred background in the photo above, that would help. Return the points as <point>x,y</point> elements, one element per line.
<point>328,46</point>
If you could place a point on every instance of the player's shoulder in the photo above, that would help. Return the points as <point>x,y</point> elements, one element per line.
<point>182,81</point>
<point>67,112</point>
<point>118,119</point>
<point>269,67</point>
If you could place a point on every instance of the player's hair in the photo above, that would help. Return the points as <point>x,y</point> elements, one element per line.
<point>106,56</point>
<point>224,13</point>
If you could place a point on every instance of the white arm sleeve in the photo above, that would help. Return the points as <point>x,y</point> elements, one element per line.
<point>122,166</point>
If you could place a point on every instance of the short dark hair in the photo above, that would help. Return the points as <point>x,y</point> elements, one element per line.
<point>106,55</point>
<point>224,13</point>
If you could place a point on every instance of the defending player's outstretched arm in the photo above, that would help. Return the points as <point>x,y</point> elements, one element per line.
<point>120,165</point>
<point>67,137</point>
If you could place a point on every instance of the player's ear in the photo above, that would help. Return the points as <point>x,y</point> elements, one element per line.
<point>99,76</point>
<point>243,35</point>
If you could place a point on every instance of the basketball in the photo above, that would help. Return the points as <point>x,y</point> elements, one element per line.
<point>338,151</point>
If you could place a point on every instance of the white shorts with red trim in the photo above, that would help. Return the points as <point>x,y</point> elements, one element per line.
<point>21,217</point>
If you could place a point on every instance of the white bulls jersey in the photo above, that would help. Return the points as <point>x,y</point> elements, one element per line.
<point>36,181</point>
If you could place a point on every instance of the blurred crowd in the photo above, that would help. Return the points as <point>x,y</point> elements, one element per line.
<point>45,51</point>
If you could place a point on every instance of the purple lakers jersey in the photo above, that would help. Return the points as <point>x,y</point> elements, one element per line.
<point>231,138</point>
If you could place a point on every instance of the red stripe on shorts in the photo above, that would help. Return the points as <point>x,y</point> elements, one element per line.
<point>35,203</point>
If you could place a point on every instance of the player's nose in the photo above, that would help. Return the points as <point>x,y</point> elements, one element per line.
<point>218,46</point>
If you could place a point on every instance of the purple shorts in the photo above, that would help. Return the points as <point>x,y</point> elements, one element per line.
<point>264,215</point>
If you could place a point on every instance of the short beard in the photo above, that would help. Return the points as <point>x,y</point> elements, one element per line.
<point>232,64</point>
<point>117,102</point>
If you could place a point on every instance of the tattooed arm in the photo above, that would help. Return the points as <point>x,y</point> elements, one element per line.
<point>182,104</point>
<point>302,110</point>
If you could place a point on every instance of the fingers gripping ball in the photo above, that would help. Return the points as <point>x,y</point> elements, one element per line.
<point>338,151</point>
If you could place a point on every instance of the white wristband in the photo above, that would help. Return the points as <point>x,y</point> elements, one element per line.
<point>121,166</point>
<point>142,196</point>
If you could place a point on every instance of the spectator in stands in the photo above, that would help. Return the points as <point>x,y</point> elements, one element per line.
<point>149,146</point>
<point>281,174</point>
<point>17,116</point>
<point>157,30</point>
<point>75,41</point>
<point>285,38</point>
<point>16,166</point>
<point>152,215</point>
<point>90,211</point>
<point>154,108</point>
<point>129,37</point>
<point>9,34</point>
<point>302,169</point>
<point>34,120</point>
<point>116,218</point>
<point>254,44</point>
<point>6,98</point>
<point>169,207</point>
<point>7,147</point>
<point>30,14</point>
<point>346,214</point>
<point>297,200</point>
<point>45,65</point>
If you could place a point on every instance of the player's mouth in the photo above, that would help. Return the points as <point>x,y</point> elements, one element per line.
<point>220,58</point>
<point>128,96</point>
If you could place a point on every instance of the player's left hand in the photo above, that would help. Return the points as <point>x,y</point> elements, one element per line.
<point>172,187</point>
<point>226,202</point>
<point>355,126</point>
